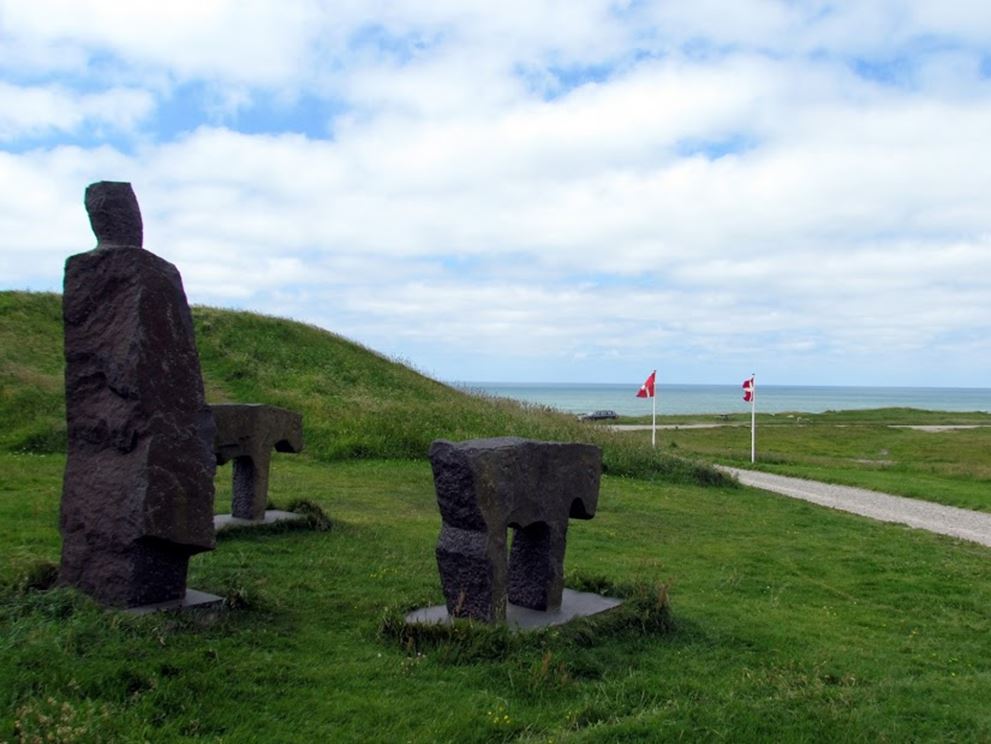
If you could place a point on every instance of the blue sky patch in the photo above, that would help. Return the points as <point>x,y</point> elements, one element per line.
<point>896,72</point>
<point>399,47</point>
<point>264,113</point>
<point>713,149</point>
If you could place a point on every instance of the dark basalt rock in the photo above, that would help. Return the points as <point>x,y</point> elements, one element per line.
<point>137,498</point>
<point>114,214</point>
<point>247,434</point>
<point>484,487</point>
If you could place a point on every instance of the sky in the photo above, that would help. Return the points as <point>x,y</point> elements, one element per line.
<point>533,190</point>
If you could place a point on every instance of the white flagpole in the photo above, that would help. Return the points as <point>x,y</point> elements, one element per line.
<point>753,418</point>
<point>653,417</point>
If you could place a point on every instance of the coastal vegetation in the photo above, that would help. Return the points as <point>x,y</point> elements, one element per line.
<point>754,617</point>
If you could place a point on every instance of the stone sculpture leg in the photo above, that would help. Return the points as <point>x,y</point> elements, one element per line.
<point>473,565</point>
<point>536,566</point>
<point>486,486</point>
<point>250,486</point>
<point>137,497</point>
<point>158,572</point>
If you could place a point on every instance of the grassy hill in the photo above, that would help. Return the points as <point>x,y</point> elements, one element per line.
<point>355,402</point>
<point>32,394</point>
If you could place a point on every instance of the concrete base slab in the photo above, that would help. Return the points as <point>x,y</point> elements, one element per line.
<point>223,522</point>
<point>194,600</point>
<point>573,605</point>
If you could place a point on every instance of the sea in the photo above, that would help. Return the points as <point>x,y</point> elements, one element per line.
<point>698,399</point>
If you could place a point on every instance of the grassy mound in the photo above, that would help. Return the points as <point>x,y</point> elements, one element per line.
<point>32,399</point>
<point>355,402</point>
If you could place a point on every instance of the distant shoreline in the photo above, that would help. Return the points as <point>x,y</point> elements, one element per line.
<point>676,385</point>
<point>727,399</point>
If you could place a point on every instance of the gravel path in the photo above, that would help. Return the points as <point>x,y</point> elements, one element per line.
<point>937,428</point>
<point>945,520</point>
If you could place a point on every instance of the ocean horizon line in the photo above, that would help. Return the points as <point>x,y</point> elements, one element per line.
<point>661,383</point>
<point>720,398</point>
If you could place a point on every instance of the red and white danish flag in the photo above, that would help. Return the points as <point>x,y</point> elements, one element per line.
<point>748,389</point>
<point>647,389</point>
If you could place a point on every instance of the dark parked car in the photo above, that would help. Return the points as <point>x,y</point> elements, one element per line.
<point>598,416</point>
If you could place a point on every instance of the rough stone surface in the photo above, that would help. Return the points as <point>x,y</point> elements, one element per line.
<point>247,434</point>
<point>137,498</point>
<point>486,486</point>
<point>114,214</point>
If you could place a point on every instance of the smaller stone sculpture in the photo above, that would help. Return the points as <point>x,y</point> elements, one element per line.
<point>247,434</point>
<point>484,487</point>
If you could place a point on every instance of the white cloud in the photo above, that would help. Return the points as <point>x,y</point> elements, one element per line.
<point>31,111</point>
<point>728,189</point>
<point>249,41</point>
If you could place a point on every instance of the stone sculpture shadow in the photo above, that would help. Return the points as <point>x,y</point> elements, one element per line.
<point>137,497</point>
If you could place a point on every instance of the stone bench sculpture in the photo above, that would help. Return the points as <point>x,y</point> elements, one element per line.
<point>247,434</point>
<point>486,486</point>
<point>137,496</point>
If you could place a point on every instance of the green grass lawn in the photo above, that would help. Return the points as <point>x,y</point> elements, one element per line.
<point>791,623</point>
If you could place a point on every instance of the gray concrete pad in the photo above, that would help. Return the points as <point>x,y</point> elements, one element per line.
<point>573,605</point>
<point>223,522</point>
<point>194,600</point>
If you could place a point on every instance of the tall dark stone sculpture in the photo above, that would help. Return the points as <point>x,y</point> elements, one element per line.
<point>137,497</point>
<point>247,434</point>
<point>484,487</point>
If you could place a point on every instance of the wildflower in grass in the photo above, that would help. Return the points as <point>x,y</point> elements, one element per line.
<point>499,718</point>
